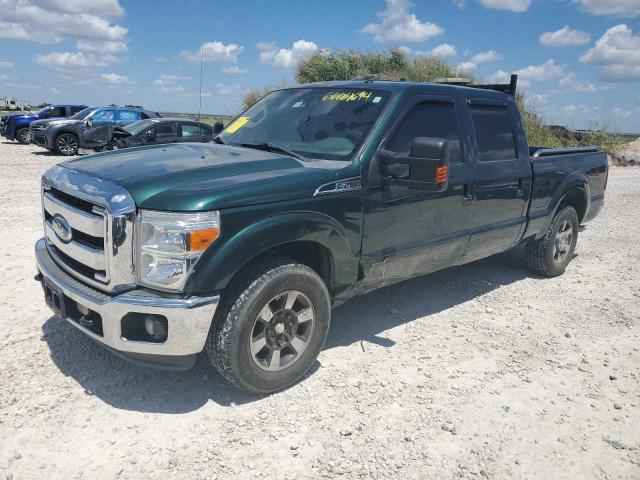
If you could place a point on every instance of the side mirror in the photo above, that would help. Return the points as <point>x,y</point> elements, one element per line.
<point>218,127</point>
<point>150,135</point>
<point>88,122</point>
<point>428,163</point>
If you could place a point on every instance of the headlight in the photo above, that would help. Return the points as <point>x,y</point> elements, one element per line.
<point>169,244</point>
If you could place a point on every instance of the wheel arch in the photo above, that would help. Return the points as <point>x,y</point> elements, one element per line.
<point>312,239</point>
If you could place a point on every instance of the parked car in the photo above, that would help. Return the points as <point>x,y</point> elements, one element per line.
<point>315,194</point>
<point>17,126</point>
<point>65,137</point>
<point>160,130</point>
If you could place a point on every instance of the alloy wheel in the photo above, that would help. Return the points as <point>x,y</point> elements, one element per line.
<point>563,241</point>
<point>68,144</point>
<point>282,331</point>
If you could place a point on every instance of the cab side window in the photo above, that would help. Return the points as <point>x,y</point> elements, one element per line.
<point>57,112</point>
<point>427,119</point>
<point>129,116</point>
<point>494,133</point>
<point>191,130</point>
<point>104,116</point>
<point>165,130</point>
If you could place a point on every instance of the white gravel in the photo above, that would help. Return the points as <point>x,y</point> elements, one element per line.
<point>479,371</point>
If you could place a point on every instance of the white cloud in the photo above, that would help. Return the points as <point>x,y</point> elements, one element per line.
<point>630,8</point>
<point>398,25</point>
<point>565,37</point>
<point>618,51</point>
<point>171,84</point>
<point>285,57</point>
<point>5,64</point>
<point>51,21</point>
<point>215,52</point>
<point>69,60</point>
<point>486,57</point>
<point>101,46</point>
<point>115,79</point>
<point>570,82</point>
<point>533,73</point>
<point>510,5</point>
<point>482,57</point>
<point>235,70</point>
<point>443,50</point>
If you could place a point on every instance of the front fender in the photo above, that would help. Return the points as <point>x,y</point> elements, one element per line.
<point>223,260</point>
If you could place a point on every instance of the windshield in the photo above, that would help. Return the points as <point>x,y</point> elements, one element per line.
<point>137,127</point>
<point>82,114</point>
<point>313,122</point>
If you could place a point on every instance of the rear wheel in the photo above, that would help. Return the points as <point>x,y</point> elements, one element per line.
<point>22,136</point>
<point>66,144</point>
<point>271,326</point>
<point>551,254</point>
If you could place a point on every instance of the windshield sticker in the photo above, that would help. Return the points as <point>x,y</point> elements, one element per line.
<point>237,125</point>
<point>376,99</point>
<point>297,104</point>
<point>361,96</point>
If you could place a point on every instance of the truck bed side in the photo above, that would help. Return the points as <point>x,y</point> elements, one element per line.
<point>565,176</point>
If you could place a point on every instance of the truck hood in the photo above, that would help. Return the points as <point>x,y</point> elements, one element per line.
<point>200,177</point>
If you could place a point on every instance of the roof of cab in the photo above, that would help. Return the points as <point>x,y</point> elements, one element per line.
<point>399,86</point>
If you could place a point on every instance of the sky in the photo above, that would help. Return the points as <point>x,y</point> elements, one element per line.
<point>578,60</point>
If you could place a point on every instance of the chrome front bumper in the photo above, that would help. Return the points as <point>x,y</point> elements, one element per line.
<point>188,319</point>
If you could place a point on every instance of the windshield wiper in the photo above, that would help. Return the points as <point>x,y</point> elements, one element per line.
<point>270,147</point>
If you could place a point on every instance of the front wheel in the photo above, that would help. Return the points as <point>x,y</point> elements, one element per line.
<point>22,136</point>
<point>66,144</point>
<point>271,326</point>
<point>551,254</point>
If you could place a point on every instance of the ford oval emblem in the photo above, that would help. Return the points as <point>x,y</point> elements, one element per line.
<point>62,228</point>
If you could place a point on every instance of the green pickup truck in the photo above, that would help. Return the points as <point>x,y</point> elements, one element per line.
<point>314,195</point>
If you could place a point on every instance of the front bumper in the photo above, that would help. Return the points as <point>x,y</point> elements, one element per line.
<point>40,138</point>
<point>188,319</point>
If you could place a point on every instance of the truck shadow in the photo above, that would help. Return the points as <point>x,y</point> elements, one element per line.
<point>129,387</point>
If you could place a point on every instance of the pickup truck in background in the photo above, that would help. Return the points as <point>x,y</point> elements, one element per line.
<point>88,129</point>
<point>16,127</point>
<point>315,194</point>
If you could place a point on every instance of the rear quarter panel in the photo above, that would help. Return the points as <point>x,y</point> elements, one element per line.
<point>555,176</point>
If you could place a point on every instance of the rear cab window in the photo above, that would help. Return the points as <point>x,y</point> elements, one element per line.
<point>494,132</point>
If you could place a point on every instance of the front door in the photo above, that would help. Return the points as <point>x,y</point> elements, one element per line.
<point>407,231</point>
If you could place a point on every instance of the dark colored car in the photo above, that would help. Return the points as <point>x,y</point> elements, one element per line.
<point>160,130</point>
<point>314,195</point>
<point>85,130</point>
<point>16,127</point>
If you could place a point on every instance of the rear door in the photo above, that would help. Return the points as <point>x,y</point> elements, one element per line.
<point>502,177</point>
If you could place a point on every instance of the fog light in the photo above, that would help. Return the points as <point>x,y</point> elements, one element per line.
<point>156,327</point>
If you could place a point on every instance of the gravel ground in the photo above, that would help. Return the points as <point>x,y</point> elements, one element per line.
<point>479,371</point>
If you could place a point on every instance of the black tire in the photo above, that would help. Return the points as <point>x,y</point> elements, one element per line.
<point>66,144</point>
<point>22,136</point>
<point>547,256</point>
<point>240,312</point>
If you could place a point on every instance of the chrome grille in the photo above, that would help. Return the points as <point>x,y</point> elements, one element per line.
<point>98,217</point>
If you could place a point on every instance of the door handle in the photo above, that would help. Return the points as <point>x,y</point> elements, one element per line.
<point>467,194</point>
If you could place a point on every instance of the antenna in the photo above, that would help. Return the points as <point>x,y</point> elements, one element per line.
<point>201,57</point>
